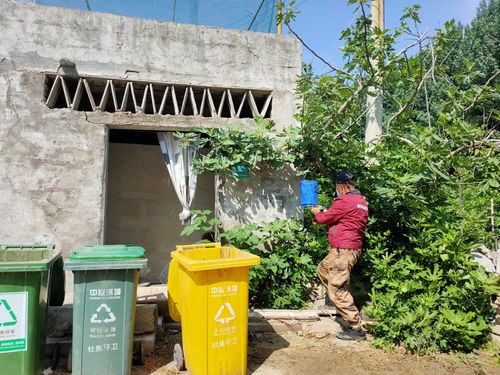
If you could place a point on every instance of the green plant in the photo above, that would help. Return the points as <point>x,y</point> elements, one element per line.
<point>289,257</point>
<point>234,145</point>
<point>288,262</point>
<point>429,181</point>
<point>202,221</point>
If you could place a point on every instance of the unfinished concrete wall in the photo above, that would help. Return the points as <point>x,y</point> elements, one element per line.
<point>263,197</point>
<point>53,161</point>
<point>142,207</point>
<point>51,167</point>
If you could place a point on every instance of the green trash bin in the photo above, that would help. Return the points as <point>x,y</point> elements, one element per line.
<point>25,274</point>
<point>104,299</point>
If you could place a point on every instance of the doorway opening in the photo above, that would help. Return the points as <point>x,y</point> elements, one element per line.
<point>141,204</point>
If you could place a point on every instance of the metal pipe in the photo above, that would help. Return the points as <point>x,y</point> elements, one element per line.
<point>280,13</point>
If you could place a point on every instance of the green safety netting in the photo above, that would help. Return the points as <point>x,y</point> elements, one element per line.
<point>254,15</point>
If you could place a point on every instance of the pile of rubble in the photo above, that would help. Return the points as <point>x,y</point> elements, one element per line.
<point>490,260</point>
<point>487,258</point>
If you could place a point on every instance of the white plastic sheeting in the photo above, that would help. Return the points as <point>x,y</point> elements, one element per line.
<point>179,162</point>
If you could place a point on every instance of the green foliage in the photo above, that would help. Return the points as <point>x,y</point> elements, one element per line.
<point>287,12</point>
<point>202,221</point>
<point>288,262</point>
<point>233,145</point>
<point>429,181</point>
<point>427,294</point>
<point>289,257</point>
<point>473,59</point>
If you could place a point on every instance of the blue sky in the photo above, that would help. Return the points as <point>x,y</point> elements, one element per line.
<point>321,21</point>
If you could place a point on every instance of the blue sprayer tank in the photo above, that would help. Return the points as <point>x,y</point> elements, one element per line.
<point>308,193</point>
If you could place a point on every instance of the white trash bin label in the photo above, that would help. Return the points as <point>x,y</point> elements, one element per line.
<point>13,322</point>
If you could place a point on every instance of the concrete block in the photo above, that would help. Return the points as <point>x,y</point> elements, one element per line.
<point>154,294</point>
<point>146,317</point>
<point>147,342</point>
<point>496,330</point>
<point>254,326</point>
<point>277,326</point>
<point>60,320</point>
<point>283,314</point>
<point>143,345</point>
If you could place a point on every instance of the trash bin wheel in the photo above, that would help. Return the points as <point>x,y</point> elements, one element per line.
<point>179,357</point>
<point>69,365</point>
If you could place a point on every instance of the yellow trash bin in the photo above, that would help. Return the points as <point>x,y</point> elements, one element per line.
<point>208,293</point>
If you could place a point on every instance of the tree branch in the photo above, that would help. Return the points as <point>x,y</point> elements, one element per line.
<point>412,98</point>
<point>365,39</point>
<point>476,98</point>
<point>417,41</point>
<point>475,144</point>
<point>427,107</point>
<point>341,110</point>
<point>344,105</point>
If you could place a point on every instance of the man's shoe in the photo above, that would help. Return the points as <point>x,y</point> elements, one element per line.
<point>352,335</point>
<point>343,324</point>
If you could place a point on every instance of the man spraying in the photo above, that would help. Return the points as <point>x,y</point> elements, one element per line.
<point>346,220</point>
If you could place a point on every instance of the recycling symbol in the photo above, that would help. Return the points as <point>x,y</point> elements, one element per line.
<point>109,319</point>
<point>12,315</point>
<point>225,314</point>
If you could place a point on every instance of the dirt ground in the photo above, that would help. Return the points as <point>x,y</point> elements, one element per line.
<point>290,353</point>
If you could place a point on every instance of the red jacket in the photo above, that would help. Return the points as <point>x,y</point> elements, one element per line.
<point>347,219</point>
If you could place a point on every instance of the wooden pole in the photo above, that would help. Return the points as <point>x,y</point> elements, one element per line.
<point>494,233</point>
<point>374,112</point>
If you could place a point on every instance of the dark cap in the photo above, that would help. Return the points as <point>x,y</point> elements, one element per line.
<point>345,178</point>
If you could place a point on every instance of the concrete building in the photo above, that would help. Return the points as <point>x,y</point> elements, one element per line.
<point>81,97</point>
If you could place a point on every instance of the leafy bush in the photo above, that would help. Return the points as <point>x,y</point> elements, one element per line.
<point>427,293</point>
<point>233,145</point>
<point>430,298</point>
<point>429,180</point>
<point>282,278</point>
<point>289,257</point>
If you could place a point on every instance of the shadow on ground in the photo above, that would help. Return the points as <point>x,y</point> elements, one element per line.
<point>261,345</point>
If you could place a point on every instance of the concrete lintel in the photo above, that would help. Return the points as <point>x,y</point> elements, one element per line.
<point>138,121</point>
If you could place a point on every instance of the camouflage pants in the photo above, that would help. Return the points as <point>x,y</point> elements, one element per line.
<point>335,273</point>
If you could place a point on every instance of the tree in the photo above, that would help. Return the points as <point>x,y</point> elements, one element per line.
<point>437,169</point>
<point>475,51</point>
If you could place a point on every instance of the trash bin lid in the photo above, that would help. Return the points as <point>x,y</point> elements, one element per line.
<point>107,252</point>
<point>206,257</point>
<point>98,257</point>
<point>27,258</point>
